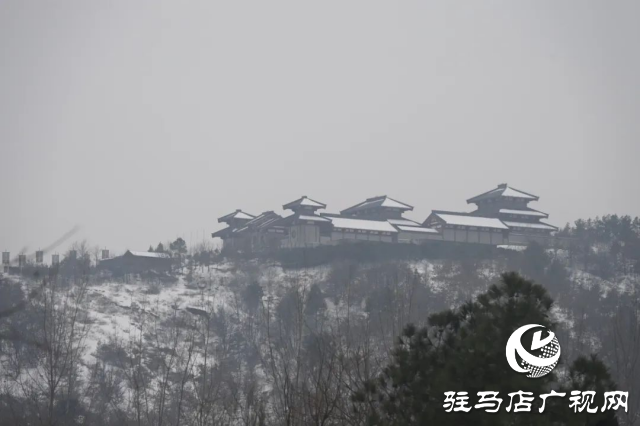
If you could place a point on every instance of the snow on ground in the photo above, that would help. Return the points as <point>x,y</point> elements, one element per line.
<point>512,247</point>
<point>424,267</point>
<point>116,306</point>
<point>624,284</point>
<point>428,269</point>
<point>562,316</point>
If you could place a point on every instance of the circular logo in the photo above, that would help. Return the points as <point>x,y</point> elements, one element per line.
<point>540,359</point>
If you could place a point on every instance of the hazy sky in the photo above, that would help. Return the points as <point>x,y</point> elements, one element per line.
<point>145,120</point>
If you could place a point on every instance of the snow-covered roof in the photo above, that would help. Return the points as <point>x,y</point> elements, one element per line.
<point>512,247</point>
<point>377,202</point>
<point>419,229</point>
<point>362,224</point>
<point>222,232</point>
<point>313,218</point>
<point>238,214</point>
<point>469,220</point>
<point>503,190</point>
<point>389,202</point>
<point>149,254</point>
<point>512,192</point>
<point>529,212</point>
<point>537,225</point>
<point>262,221</point>
<point>243,215</point>
<point>304,201</point>
<point>405,222</point>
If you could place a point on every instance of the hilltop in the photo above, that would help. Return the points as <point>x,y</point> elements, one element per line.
<point>244,339</point>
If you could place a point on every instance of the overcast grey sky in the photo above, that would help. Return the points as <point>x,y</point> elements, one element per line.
<point>146,120</point>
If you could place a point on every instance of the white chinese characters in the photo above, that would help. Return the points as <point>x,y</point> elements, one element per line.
<point>579,401</point>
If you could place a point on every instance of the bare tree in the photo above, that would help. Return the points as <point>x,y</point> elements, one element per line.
<point>625,331</point>
<point>46,374</point>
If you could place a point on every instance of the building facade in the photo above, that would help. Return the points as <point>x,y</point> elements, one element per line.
<point>305,227</point>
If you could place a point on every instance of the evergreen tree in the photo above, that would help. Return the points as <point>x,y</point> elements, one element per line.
<point>150,249</point>
<point>179,246</point>
<point>252,296</point>
<point>464,350</point>
<point>534,262</point>
<point>160,248</point>
<point>315,303</point>
<point>589,373</point>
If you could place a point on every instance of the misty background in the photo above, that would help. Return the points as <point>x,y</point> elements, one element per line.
<point>144,121</point>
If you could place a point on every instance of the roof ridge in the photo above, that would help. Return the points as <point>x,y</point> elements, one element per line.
<point>501,189</point>
<point>452,212</point>
<point>524,192</point>
<point>300,201</point>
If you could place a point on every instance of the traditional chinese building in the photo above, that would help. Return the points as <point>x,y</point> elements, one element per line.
<point>379,219</point>
<point>467,228</point>
<point>511,206</point>
<point>305,228</point>
<point>378,208</point>
<point>235,221</point>
<point>262,233</point>
<point>502,217</point>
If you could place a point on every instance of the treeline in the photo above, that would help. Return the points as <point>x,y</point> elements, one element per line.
<point>606,245</point>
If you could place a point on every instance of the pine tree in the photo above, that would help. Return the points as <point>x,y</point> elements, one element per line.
<point>315,303</point>
<point>179,246</point>
<point>252,296</point>
<point>464,350</point>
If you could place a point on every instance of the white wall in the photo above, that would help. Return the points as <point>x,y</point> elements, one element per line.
<point>497,238</point>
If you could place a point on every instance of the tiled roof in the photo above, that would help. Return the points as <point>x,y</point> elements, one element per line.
<point>503,190</point>
<point>149,254</point>
<point>262,221</point>
<point>221,232</point>
<point>464,219</point>
<point>419,229</point>
<point>238,214</point>
<point>304,201</point>
<point>313,218</point>
<point>528,212</point>
<point>362,224</point>
<point>381,201</point>
<point>537,225</point>
<point>405,222</point>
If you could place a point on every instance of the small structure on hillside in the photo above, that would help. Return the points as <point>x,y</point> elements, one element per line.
<point>135,262</point>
